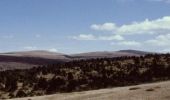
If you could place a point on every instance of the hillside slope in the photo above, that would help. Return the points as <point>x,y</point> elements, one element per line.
<point>109,54</point>
<point>36,53</point>
<point>153,91</point>
<point>83,75</point>
<point>29,59</point>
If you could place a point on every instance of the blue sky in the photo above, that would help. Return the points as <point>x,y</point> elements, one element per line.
<point>73,26</point>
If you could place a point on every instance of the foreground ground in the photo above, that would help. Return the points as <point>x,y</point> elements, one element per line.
<point>153,91</point>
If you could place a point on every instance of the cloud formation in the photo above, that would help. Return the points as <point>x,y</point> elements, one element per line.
<point>93,37</point>
<point>84,37</point>
<point>104,27</point>
<point>156,34</point>
<point>30,48</point>
<point>160,40</point>
<point>130,43</point>
<point>157,26</point>
<point>52,50</point>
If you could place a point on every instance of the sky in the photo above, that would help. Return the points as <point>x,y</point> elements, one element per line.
<point>75,26</point>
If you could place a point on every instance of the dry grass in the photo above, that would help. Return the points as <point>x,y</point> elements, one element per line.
<point>120,93</point>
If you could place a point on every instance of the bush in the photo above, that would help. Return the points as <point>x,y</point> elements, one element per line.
<point>21,93</point>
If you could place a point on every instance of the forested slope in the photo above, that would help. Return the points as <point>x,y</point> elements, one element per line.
<point>83,75</point>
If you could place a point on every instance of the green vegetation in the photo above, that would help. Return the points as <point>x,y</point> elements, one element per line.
<point>84,75</point>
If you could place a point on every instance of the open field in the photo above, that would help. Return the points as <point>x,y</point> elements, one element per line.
<point>152,91</point>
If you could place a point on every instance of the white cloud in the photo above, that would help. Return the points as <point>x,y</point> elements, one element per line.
<point>53,50</point>
<point>112,37</point>
<point>92,37</point>
<point>167,50</point>
<point>84,37</point>
<point>160,43</point>
<point>104,27</point>
<point>30,48</point>
<point>36,48</point>
<point>127,43</point>
<point>156,36</point>
<point>157,26</point>
<point>160,40</point>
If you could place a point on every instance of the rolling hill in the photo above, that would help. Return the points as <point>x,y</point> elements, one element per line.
<point>29,59</point>
<point>107,54</point>
<point>90,74</point>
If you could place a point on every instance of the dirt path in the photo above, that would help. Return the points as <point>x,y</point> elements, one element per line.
<point>154,91</point>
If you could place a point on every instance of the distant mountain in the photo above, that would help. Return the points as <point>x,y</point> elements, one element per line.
<point>138,52</point>
<point>135,52</point>
<point>37,53</point>
<point>107,54</point>
<point>29,59</point>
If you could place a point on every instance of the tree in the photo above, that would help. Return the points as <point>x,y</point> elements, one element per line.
<point>55,85</point>
<point>11,84</point>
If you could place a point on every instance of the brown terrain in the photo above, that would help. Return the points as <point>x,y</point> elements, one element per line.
<point>27,85</point>
<point>29,59</point>
<point>152,91</point>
